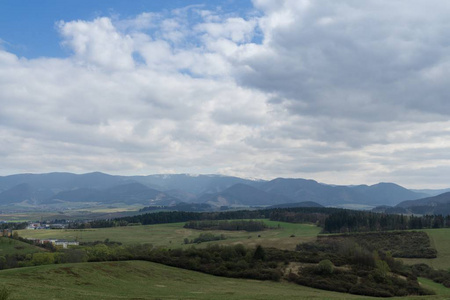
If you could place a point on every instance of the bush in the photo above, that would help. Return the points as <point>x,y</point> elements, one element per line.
<point>325,267</point>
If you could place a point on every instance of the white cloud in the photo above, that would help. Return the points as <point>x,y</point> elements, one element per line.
<point>339,91</point>
<point>98,43</point>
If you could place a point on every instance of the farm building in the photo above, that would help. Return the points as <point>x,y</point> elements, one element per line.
<point>64,243</point>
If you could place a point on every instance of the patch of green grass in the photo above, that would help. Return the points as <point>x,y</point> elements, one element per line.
<point>173,235</point>
<point>9,246</point>
<point>144,280</point>
<point>440,240</point>
<point>438,288</point>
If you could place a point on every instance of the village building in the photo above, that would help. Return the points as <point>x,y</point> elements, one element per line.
<point>56,242</point>
<point>65,244</point>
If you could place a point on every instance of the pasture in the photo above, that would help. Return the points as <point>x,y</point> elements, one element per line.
<point>172,235</point>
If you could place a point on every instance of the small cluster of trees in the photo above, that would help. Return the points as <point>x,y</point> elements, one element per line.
<point>249,225</point>
<point>13,225</point>
<point>205,237</point>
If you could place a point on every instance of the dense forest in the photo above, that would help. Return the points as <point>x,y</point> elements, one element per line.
<point>360,221</point>
<point>246,225</point>
<point>309,213</point>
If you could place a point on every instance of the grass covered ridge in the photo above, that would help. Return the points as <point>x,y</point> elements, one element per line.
<point>11,247</point>
<point>144,280</point>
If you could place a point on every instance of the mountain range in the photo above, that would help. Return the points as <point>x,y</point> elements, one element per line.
<point>170,189</point>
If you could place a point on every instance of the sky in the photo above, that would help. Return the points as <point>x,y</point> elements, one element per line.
<point>343,92</point>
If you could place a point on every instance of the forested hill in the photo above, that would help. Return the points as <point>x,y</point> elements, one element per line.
<point>436,205</point>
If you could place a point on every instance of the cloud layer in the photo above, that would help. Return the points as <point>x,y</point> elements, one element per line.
<point>342,92</point>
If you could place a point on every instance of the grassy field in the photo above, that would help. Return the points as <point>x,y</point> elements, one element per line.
<point>440,239</point>
<point>439,289</point>
<point>173,235</point>
<point>145,280</point>
<point>9,246</point>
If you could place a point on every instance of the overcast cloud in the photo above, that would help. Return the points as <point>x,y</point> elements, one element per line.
<point>343,92</point>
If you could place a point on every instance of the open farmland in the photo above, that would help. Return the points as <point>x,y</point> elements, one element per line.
<point>173,235</point>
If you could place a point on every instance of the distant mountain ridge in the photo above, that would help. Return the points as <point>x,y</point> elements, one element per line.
<point>241,194</point>
<point>331,195</point>
<point>435,205</point>
<point>130,193</point>
<point>169,189</point>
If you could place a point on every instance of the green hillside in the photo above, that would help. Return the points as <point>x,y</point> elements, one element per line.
<point>10,246</point>
<point>145,280</point>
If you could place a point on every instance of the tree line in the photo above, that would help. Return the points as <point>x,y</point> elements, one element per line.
<point>184,216</point>
<point>361,221</point>
<point>332,220</point>
<point>235,225</point>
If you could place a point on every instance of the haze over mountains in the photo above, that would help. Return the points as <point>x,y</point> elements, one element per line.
<point>214,190</point>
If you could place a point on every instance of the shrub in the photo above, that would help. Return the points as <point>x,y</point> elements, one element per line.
<point>4,293</point>
<point>325,267</point>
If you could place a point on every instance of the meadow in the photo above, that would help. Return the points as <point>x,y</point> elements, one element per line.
<point>10,246</point>
<point>284,236</point>
<point>146,280</point>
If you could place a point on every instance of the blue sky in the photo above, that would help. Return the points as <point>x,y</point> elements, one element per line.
<point>343,92</point>
<point>27,28</point>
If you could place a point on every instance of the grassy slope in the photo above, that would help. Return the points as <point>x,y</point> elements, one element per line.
<point>172,235</point>
<point>10,246</point>
<point>440,239</point>
<point>439,289</point>
<point>145,280</point>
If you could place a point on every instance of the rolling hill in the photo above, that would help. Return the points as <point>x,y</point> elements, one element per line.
<point>439,204</point>
<point>144,280</point>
